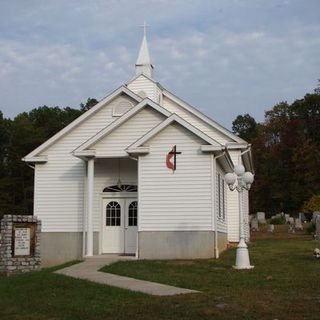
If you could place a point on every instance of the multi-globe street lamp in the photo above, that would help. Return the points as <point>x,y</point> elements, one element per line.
<point>240,180</point>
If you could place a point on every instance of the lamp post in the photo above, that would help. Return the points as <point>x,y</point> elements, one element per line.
<point>240,180</point>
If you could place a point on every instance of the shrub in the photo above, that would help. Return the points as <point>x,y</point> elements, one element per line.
<point>278,220</point>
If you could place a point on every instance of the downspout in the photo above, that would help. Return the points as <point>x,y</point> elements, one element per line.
<point>84,224</point>
<point>213,189</point>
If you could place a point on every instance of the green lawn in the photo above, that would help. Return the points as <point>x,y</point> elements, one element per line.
<point>285,284</point>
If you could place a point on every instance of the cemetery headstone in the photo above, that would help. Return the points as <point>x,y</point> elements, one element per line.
<point>291,220</point>
<point>270,228</point>
<point>317,233</point>
<point>254,224</point>
<point>287,217</point>
<point>261,216</point>
<point>19,244</point>
<point>314,215</point>
<point>298,224</point>
<point>302,217</point>
<point>291,228</point>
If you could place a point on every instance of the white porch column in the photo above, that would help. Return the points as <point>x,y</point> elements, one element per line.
<point>90,177</point>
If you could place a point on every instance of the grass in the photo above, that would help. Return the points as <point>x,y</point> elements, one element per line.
<point>285,284</point>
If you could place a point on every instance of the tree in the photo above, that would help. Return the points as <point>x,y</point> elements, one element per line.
<point>91,102</point>
<point>286,153</point>
<point>17,138</point>
<point>245,127</point>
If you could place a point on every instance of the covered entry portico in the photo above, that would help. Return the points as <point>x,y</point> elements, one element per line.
<point>119,225</point>
<point>111,210</point>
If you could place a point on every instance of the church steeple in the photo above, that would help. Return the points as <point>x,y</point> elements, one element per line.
<point>143,64</point>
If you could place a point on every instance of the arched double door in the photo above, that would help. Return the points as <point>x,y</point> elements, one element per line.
<point>120,225</point>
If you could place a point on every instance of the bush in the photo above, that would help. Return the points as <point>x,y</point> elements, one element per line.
<point>278,220</point>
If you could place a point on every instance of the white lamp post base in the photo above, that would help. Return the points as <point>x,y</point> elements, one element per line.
<point>242,259</point>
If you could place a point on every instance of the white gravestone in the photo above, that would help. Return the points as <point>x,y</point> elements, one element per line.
<point>22,241</point>
<point>314,215</point>
<point>317,234</point>
<point>261,216</point>
<point>270,228</point>
<point>254,225</point>
<point>287,217</point>
<point>298,224</point>
<point>302,217</point>
<point>291,220</point>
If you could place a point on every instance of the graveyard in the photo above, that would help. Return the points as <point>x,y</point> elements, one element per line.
<point>283,285</point>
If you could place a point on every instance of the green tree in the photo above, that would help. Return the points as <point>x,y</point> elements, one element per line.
<point>245,127</point>
<point>91,102</point>
<point>17,138</point>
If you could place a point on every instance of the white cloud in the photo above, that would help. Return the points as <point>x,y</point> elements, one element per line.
<point>226,57</point>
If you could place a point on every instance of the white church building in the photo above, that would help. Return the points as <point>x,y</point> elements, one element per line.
<point>140,173</point>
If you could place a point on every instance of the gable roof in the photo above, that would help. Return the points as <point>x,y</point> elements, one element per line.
<point>121,90</point>
<point>112,126</point>
<point>202,116</point>
<point>191,109</point>
<point>173,118</point>
<point>143,75</point>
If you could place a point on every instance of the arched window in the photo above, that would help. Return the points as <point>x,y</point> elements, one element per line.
<point>133,214</point>
<point>121,188</point>
<point>113,214</point>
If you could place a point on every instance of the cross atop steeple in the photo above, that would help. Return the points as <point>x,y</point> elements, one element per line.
<point>145,26</point>
<point>143,64</point>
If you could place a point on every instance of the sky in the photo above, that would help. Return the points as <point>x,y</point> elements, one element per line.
<point>223,57</point>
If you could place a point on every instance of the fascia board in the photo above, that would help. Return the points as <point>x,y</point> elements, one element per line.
<point>37,159</point>
<point>84,153</point>
<point>117,123</point>
<point>210,148</point>
<point>138,150</point>
<point>84,116</point>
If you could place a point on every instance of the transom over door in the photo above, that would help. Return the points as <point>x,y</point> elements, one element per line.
<point>120,220</point>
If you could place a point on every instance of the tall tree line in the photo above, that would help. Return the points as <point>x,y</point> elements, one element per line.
<point>20,136</point>
<point>286,153</point>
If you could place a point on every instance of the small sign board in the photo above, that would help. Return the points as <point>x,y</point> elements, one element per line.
<point>22,241</point>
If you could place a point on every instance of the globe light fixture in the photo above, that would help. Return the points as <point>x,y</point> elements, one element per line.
<point>240,180</point>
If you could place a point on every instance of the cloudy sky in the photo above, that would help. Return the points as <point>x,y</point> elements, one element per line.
<point>223,57</point>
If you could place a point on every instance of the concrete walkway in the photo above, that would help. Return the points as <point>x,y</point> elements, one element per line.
<point>88,270</point>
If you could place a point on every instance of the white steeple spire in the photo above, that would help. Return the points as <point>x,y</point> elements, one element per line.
<point>143,64</point>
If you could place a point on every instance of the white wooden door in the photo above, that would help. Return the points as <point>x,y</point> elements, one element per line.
<point>120,216</point>
<point>131,226</point>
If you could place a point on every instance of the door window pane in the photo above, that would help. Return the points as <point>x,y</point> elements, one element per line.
<point>133,214</point>
<point>113,214</point>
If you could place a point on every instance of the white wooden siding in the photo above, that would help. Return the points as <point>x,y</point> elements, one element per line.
<point>149,87</point>
<point>59,183</point>
<point>115,143</point>
<point>180,200</point>
<point>221,221</point>
<point>173,107</point>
